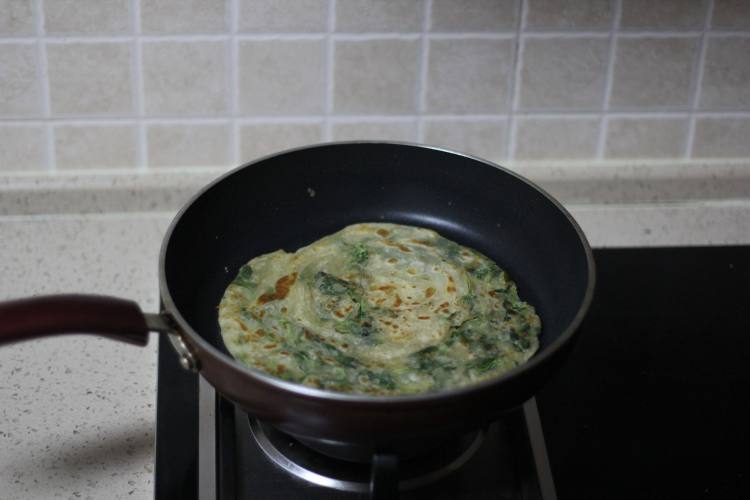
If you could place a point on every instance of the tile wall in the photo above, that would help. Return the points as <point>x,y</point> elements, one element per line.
<point>148,84</point>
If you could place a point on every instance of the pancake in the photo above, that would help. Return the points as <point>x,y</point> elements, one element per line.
<point>380,309</point>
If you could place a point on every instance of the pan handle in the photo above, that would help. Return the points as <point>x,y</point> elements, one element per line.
<point>111,317</point>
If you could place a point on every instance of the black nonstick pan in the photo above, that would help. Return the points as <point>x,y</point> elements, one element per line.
<point>293,198</point>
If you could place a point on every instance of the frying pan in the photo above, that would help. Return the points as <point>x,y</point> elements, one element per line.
<point>293,198</point>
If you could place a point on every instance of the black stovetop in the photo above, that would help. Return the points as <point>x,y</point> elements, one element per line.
<point>652,402</point>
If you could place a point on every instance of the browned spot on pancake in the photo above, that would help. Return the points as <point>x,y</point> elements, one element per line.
<point>386,288</point>
<point>283,309</point>
<point>492,293</point>
<point>392,260</point>
<point>270,346</point>
<point>262,313</point>
<point>401,247</point>
<point>423,317</point>
<point>339,314</point>
<point>450,278</point>
<point>281,289</point>
<point>411,271</point>
<point>242,326</point>
<point>383,232</point>
<point>307,334</point>
<point>348,309</point>
<point>451,289</point>
<point>380,300</point>
<point>397,302</point>
<point>280,369</point>
<point>429,292</point>
<point>423,242</point>
<point>260,333</point>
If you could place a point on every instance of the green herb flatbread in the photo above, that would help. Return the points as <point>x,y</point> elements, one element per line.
<point>378,309</point>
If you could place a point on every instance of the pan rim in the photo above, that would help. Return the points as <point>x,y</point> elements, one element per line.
<point>299,390</point>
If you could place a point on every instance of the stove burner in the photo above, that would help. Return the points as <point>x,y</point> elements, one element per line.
<point>317,468</point>
<point>210,453</point>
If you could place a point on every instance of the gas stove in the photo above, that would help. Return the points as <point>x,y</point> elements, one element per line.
<point>207,449</point>
<point>640,409</point>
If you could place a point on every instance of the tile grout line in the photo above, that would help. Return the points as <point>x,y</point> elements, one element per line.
<point>511,125</point>
<point>609,81</point>
<point>209,37</point>
<point>698,82</point>
<point>44,88</point>
<point>424,57</point>
<point>330,53</point>
<point>138,93</point>
<point>217,120</point>
<point>233,83</point>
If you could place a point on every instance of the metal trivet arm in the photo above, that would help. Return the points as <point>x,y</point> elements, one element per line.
<point>384,477</point>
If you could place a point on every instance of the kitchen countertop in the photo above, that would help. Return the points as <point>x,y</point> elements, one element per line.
<point>77,413</point>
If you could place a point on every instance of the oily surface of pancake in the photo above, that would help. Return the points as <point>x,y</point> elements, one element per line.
<point>378,309</point>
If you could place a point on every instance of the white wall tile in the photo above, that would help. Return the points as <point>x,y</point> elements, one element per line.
<point>568,73</point>
<point>281,77</point>
<point>185,78</point>
<point>473,15</point>
<point>95,146</point>
<point>375,131</point>
<point>646,137</point>
<point>726,74</point>
<point>376,76</point>
<point>263,139</point>
<point>731,14</point>
<point>663,14</point>
<point>283,16</point>
<point>19,86</point>
<point>183,16</point>
<point>184,73</point>
<point>583,15</point>
<point>22,148</point>
<point>379,15</point>
<point>483,138</point>
<point>556,138</point>
<point>722,137</point>
<point>469,76</point>
<point>16,17</point>
<point>87,16</point>
<point>176,145</point>
<point>654,72</point>
<point>90,78</point>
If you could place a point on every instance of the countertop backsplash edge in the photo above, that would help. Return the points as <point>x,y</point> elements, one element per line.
<point>600,183</point>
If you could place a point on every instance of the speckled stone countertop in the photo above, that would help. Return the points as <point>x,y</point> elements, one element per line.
<point>77,414</point>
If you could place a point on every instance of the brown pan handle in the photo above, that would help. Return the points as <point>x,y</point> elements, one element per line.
<point>112,317</point>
